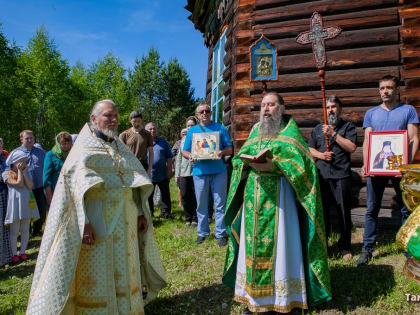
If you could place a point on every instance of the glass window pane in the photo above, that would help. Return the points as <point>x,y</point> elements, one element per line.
<point>218,67</point>
<point>214,97</point>
<point>221,65</point>
<point>218,60</point>
<point>222,51</point>
<point>214,69</point>
<point>220,90</point>
<point>215,65</point>
<point>220,112</point>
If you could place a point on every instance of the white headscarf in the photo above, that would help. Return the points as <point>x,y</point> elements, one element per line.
<point>16,155</point>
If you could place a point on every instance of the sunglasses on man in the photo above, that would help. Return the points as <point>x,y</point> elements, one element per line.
<point>207,111</point>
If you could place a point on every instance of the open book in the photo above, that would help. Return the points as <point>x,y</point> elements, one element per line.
<point>259,158</point>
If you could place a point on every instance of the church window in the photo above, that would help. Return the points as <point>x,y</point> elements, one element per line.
<point>218,67</point>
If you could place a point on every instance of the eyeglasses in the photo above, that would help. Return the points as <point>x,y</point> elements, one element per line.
<point>207,111</point>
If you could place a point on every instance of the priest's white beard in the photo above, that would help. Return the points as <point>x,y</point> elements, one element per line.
<point>108,132</point>
<point>270,126</point>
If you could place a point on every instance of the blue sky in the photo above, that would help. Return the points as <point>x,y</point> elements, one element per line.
<point>87,30</point>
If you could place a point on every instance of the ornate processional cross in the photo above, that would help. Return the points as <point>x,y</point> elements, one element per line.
<point>317,36</point>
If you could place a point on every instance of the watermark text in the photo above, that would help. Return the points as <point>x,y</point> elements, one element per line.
<point>412,297</point>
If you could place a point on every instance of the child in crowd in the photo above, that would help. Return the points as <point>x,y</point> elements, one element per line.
<point>21,205</point>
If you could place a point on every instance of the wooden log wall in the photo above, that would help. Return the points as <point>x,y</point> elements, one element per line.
<point>380,37</point>
<point>367,49</point>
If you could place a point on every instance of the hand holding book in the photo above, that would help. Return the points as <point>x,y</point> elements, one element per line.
<point>261,162</point>
<point>261,157</point>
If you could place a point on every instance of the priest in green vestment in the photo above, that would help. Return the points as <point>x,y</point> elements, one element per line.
<point>98,253</point>
<point>277,255</point>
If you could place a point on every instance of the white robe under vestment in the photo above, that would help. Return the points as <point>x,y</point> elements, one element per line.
<point>289,275</point>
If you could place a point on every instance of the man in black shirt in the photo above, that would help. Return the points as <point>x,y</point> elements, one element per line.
<point>334,169</point>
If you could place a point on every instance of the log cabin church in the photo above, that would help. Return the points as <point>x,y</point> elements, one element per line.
<point>379,37</point>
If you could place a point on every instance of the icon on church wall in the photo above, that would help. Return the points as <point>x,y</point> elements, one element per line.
<point>263,56</point>
<point>264,66</point>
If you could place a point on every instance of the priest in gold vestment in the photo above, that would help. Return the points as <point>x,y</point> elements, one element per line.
<point>98,254</point>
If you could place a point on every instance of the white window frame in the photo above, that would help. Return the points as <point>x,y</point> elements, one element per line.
<point>218,66</point>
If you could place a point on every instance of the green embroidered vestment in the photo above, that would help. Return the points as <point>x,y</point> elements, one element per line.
<point>259,191</point>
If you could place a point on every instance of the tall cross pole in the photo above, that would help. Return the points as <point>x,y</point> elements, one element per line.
<point>317,36</point>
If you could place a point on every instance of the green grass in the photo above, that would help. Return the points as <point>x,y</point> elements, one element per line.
<point>194,276</point>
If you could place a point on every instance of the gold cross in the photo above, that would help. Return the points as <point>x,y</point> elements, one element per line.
<point>249,204</point>
<point>266,240</point>
<point>268,205</point>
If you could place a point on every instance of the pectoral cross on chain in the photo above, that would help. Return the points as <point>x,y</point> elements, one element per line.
<point>121,176</point>
<point>317,36</point>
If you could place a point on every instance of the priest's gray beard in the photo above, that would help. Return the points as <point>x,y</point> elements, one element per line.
<point>270,126</point>
<point>332,119</point>
<point>108,132</point>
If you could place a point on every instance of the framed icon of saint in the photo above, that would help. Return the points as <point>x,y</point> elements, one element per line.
<point>386,151</point>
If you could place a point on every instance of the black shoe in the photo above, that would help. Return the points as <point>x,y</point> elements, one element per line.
<point>200,239</point>
<point>247,312</point>
<point>222,242</point>
<point>363,259</point>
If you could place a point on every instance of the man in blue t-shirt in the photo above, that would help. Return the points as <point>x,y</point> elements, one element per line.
<point>209,175</point>
<point>161,171</point>
<point>390,115</point>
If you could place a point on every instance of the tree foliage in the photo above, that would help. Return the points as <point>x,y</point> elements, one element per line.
<point>162,93</point>
<point>41,92</point>
<point>10,89</point>
<point>47,79</point>
<point>179,96</point>
<point>147,85</point>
